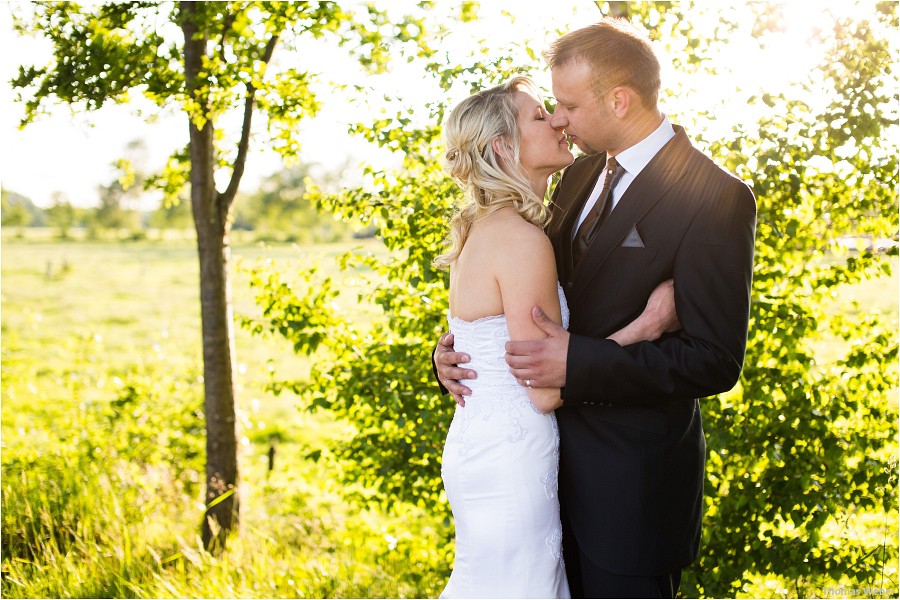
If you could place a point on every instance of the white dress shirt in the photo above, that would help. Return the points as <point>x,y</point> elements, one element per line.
<point>633,160</point>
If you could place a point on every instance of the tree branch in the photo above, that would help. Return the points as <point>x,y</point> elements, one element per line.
<point>226,25</point>
<point>226,198</point>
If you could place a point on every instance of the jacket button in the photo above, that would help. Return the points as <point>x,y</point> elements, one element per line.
<point>569,286</point>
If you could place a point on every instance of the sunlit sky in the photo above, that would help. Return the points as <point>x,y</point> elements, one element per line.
<point>73,153</point>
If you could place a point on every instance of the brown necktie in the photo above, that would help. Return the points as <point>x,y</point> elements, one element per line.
<point>599,212</point>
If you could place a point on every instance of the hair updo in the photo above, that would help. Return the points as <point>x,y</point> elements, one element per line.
<point>490,181</point>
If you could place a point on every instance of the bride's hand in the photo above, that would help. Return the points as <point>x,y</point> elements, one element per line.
<point>660,310</point>
<point>659,317</point>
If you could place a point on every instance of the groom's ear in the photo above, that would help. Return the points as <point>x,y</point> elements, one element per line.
<point>620,100</point>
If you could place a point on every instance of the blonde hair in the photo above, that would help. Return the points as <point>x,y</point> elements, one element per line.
<point>618,54</point>
<point>490,181</point>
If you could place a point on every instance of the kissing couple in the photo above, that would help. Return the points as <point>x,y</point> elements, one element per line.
<point>583,332</point>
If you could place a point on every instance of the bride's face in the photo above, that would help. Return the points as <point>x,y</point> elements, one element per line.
<point>542,149</point>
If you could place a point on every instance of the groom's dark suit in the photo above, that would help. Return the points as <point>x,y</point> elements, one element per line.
<point>632,443</point>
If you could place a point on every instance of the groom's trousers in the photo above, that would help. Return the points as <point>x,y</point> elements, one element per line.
<point>588,580</point>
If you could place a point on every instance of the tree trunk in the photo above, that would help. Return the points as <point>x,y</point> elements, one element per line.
<point>218,376</point>
<point>212,228</point>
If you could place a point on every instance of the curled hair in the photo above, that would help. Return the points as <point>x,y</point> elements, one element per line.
<point>490,181</point>
<point>618,54</point>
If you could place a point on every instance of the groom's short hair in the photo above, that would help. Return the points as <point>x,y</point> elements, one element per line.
<point>618,54</point>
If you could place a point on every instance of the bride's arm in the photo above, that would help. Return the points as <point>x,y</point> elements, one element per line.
<point>659,317</point>
<point>525,269</point>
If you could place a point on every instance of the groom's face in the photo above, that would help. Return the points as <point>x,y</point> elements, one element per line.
<point>588,122</point>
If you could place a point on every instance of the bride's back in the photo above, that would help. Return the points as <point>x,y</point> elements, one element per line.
<point>494,244</point>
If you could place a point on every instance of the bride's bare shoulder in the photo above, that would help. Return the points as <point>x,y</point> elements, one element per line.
<point>507,226</point>
<point>505,237</point>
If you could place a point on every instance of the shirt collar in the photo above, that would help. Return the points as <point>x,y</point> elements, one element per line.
<point>635,158</point>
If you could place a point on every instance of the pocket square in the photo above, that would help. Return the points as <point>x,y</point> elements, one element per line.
<point>633,240</point>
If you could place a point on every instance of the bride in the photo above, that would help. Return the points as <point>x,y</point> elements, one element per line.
<point>500,460</point>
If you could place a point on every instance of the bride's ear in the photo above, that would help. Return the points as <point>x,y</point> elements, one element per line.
<point>501,147</point>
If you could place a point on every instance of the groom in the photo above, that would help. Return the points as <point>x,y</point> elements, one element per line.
<point>632,443</point>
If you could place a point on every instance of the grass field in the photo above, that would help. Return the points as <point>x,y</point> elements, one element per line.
<point>84,324</point>
<point>100,388</point>
<point>128,304</point>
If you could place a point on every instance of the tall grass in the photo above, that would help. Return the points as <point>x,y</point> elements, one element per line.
<point>96,533</point>
<point>103,531</point>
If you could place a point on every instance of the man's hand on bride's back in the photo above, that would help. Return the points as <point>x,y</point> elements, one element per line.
<point>447,362</point>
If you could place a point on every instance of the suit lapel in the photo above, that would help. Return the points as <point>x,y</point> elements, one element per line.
<point>645,191</point>
<point>565,213</point>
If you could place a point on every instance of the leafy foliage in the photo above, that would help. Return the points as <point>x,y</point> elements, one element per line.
<point>805,447</point>
<point>799,450</point>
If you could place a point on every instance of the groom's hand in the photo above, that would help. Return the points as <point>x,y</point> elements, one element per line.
<point>541,363</point>
<point>446,362</point>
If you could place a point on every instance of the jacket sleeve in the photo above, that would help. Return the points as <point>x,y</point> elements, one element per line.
<point>444,391</point>
<point>712,269</point>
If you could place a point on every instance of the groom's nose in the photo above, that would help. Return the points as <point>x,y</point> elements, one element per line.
<point>558,120</point>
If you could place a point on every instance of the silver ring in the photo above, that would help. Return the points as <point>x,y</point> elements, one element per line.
<point>528,382</point>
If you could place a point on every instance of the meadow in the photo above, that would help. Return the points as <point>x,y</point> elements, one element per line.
<point>102,440</point>
<point>102,446</point>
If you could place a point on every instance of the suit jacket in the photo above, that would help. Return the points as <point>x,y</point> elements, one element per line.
<point>632,443</point>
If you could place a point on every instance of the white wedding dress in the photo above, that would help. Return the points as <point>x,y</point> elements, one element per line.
<point>500,470</point>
